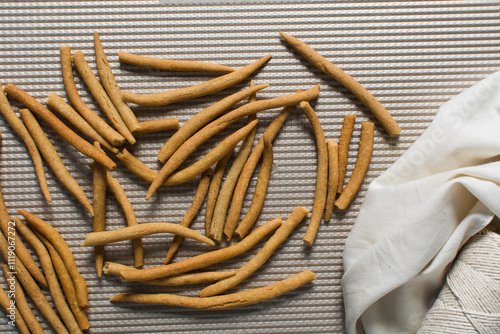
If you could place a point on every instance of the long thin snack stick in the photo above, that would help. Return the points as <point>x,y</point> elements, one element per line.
<point>171,64</point>
<point>203,89</point>
<point>213,191</point>
<point>130,217</point>
<point>188,173</point>
<point>99,187</point>
<point>111,86</point>
<point>64,251</point>
<point>360,168</point>
<point>344,142</point>
<point>100,96</point>
<point>66,133</point>
<point>260,258</point>
<point>368,100</point>
<point>32,289</point>
<point>52,158</point>
<point>321,175</point>
<point>55,289</point>
<point>66,283</point>
<point>333,176</point>
<point>260,192</point>
<point>106,131</point>
<point>65,110</point>
<point>202,260</point>
<point>24,319</point>
<point>157,125</point>
<point>237,299</point>
<point>199,198</point>
<point>17,125</point>
<point>201,119</point>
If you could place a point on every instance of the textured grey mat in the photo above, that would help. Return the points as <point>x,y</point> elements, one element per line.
<point>412,55</point>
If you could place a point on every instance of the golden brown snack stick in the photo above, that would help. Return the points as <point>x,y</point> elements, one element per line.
<point>111,86</point>
<point>51,234</point>
<point>344,142</point>
<point>202,260</point>
<point>66,283</point>
<point>237,299</point>
<point>66,133</point>
<point>199,198</point>
<point>101,96</point>
<point>368,100</point>
<point>70,114</point>
<point>260,258</point>
<point>141,230</point>
<point>188,173</point>
<point>55,289</point>
<point>157,125</point>
<point>360,168</point>
<point>260,191</point>
<point>17,306</point>
<point>32,289</point>
<point>213,191</point>
<point>171,64</point>
<point>17,125</point>
<point>130,217</point>
<point>203,89</point>
<point>52,158</point>
<point>99,188</point>
<point>321,175</point>
<point>333,176</point>
<point>201,119</point>
<point>106,131</point>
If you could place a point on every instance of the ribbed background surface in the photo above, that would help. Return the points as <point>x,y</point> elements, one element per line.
<point>411,55</point>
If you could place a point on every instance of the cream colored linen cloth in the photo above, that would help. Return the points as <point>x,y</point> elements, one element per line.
<point>416,215</point>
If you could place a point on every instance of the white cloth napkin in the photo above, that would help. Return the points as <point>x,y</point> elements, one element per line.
<point>418,213</point>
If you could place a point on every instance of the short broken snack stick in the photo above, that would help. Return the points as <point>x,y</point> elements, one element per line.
<point>333,176</point>
<point>344,142</point>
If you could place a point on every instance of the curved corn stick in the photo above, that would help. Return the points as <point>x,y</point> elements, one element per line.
<point>53,160</point>
<point>188,173</point>
<point>55,289</point>
<point>260,258</point>
<point>202,260</point>
<point>170,64</point>
<point>333,176</point>
<point>111,86</point>
<point>360,168</point>
<point>64,252</point>
<point>344,142</point>
<point>17,125</point>
<point>237,299</point>
<point>106,131</point>
<point>368,100</point>
<point>65,110</point>
<point>100,96</point>
<point>191,213</point>
<point>99,187</point>
<point>203,89</point>
<point>66,133</point>
<point>158,125</point>
<point>321,175</point>
<point>141,230</point>
<point>201,119</point>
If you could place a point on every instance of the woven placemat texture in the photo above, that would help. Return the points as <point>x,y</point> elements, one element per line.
<point>412,55</point>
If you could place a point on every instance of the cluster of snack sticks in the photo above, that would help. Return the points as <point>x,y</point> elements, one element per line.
<point>224,200</point>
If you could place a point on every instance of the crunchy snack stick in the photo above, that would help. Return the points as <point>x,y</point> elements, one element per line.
<point>213,191</point>
<point>202,260</point>
<point>370,102</point>
<point>99,187</point>
<point>53,160</point>
<point>360,168</point>
<point>17,125</point>
<point>106,131</point>
<point>344,141</point>
<point>18,298</point>
<point>321,175</point>
<point>237,299</point>
<point>157,125</point>
<point>170,64</point>
<point>66,133</point>
<point>260,258</point>
<point>203,89</point>
<point>333,176</point>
